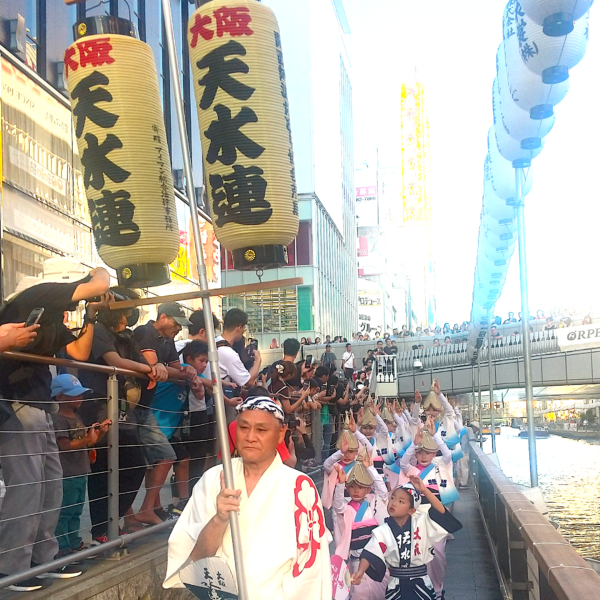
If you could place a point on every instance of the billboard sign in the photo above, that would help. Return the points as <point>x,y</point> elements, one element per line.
<point>370,307</point>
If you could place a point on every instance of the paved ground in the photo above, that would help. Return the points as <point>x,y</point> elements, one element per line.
<point>470,574</point>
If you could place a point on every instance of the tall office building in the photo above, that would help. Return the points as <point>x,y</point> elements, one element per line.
<point>315,38</point>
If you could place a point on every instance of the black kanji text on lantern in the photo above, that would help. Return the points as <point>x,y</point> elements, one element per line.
<point>239,197</point>
<point>226,138</point>
<point>87,100</point>
<point>220,73</point>
<point>97,164</point>
<point>112,219</point>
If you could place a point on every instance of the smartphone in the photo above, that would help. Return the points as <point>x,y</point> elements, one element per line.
<point>305,386</point>
<point>308,361</point>
<point>293,423</point>
<point>34,316</point>
<point>372,395</point>
<point>253,346</point>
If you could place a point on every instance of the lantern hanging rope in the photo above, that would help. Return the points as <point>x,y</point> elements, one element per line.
<point>122,142</point>
<point>243,112</point>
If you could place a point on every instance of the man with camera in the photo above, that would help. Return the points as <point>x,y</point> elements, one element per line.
<point>28,450</point>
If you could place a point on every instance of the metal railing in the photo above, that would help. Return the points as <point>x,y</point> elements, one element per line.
<point>533,560</point>
<point>112,439</point>
<point>450,355</point>
<point>321,435</point>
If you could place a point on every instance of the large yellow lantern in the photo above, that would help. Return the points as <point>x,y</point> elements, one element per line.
<point>122,143</point>
<point>243,112</point>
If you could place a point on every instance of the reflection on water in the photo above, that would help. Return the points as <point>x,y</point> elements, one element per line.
<point>569,476</point>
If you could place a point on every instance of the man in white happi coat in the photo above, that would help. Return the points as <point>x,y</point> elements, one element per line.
<point>284,539</point>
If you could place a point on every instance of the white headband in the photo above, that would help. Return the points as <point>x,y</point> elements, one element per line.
<point>261,403</point>
<point>410,488</point>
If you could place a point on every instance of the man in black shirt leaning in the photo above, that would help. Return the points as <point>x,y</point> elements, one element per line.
<point>34,486</point>
<point>155,340</point>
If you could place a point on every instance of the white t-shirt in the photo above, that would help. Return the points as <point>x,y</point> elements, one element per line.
<point>230,365</point>
<point>348,358</point>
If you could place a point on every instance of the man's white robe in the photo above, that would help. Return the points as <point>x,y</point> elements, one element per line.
<point>284,538</point>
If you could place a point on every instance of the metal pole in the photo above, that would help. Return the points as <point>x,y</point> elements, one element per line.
<point>409,307</point>
<point>112,439</point>
<point>206,306</point>
<point>533,471</point>
<point>472,399</point>
<point>491,383</point>
<point>479,397</point>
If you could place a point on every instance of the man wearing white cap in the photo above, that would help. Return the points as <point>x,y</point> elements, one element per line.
<point>34,486</point>
<point>283,533</point>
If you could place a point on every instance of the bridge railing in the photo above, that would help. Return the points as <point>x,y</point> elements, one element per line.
<point>451,355</point>
<point>533,560</point>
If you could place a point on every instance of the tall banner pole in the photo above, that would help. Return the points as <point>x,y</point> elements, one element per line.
<point>479,398</point>
<point>520,206</point>
<point>206,306</point>
<point>491,383</point>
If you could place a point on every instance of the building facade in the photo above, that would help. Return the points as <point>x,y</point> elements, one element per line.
<point>315,39</point>
<point>45,210</point>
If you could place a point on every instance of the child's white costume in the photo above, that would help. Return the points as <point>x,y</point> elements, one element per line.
<point>355,522</point>
<point>401,440</point>
<point>406,550</point>
<point>439,478</point>
<point>355,440</point>
<point>383,452</point>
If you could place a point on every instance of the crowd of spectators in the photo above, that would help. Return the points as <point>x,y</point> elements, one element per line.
<point>166,413</point>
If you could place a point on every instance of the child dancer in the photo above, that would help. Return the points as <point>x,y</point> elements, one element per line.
<point>436,406</point>
<point>357,516</point>
<point>401,439</point>
<point>345,457</point>
<point>420,460</point>
<point>376,431</point>
<point>404,544</point>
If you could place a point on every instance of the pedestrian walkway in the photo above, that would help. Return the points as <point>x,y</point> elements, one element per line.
<point>470,574</point>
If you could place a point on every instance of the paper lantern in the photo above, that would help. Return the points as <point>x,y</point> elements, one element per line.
<point>496,227</point>
<point>556,16</point>
<point>552,57</point>
<point>122,142</point>
<point>520,151</point>
<point>527,89</point>
<point>499,237</point>
<point>517,121</point>
<point>500,172</point>
<point>497,208</point>
<point>243,112</point>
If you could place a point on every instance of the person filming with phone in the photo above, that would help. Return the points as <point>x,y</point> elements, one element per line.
<point>230,363</point>
<point>34,487</point>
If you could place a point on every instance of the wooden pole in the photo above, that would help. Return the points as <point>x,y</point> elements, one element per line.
<point>234,289</point>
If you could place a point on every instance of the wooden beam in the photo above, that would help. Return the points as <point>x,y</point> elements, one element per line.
<point>235,289</point>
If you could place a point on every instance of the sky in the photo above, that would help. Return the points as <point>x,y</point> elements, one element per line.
<point>454,48</point>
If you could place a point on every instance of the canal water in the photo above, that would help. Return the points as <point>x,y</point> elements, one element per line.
<point>569,476</point>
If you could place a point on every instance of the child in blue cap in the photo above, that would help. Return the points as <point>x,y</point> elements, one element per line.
<point>73,441</point>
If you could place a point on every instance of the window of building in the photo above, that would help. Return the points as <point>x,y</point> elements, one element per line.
<point>304,244</point>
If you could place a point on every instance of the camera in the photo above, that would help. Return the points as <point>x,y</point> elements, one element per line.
<point>293,423</point>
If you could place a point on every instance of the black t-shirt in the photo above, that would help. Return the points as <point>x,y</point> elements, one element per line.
<point>107,341</point>
<point>390,350</point>
<point>74,462</point>
<point>27,381</point>
<point>148,338</point>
